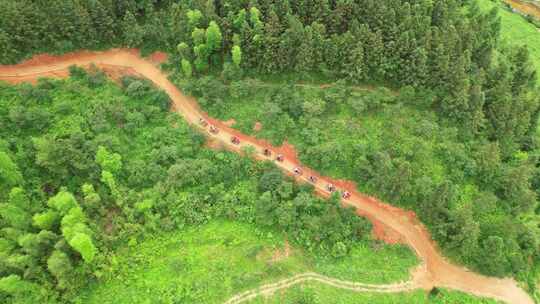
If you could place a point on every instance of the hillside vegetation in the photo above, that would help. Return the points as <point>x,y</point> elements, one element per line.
<point>87,166</point>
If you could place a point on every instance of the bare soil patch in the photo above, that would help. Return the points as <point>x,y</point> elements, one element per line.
<point>158,57</point>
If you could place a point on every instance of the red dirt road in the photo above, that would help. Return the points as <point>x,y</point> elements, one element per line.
<point>437,270</point>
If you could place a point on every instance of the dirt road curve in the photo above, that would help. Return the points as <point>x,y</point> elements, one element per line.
<point>438,271</point>
<point>269,289</point>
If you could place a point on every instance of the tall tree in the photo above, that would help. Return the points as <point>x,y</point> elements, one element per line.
<point>10,175</point>
<point>236,53</point>
<point>214,39</point>
<point>133,32</point>
<point>102,20</point>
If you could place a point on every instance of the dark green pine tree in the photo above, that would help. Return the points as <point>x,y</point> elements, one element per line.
<point>304,58</point>
<point>132,31</point>
<point>475,120</point>
<point>102,20</point>
<point>355,65</point>
<point>455,104</point>
<point>524,72</point>
<point>121,7</point>
<point>86,34</point>
<point>500,109</point>
<point>7,49</point>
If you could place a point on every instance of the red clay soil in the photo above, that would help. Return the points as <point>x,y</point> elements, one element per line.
<point>437,271</point>
<point>158,57</point>
<point>384,233</point>
<point>525,7</point>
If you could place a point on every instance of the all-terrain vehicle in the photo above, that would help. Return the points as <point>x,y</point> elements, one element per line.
<point>203,122</point>
<point>297,171</point>
<point>214,130</point>
<point>235,140</point>
<point>267,152</point>
<point>312,179</point>
<point>280,158</point>
<point>345,194</point>
<point>331,188</point>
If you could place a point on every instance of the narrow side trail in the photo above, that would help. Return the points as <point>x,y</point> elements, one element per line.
<point>269,289</point>
<point>437,270</point>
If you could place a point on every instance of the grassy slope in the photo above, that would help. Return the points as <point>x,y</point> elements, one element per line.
<point>315,293</point>
<point>516,30</point>
<point>210,263</point>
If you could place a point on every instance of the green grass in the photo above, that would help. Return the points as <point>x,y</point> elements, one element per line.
<point>316,293</point>
<point>516,31</point>
<point>210,263</point>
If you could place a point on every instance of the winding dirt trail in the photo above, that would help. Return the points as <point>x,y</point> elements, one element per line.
<point>437,270</point>
<point>269,289</point>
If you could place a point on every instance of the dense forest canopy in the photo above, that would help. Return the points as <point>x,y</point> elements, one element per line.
<point>63,169</point>
<point>434,44</point>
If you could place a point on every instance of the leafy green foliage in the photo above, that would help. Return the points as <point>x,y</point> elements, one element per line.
<point>108,161</point>
<point>187,70</point>
<point>194,17</point>
<point>213,37</point>
<point>19,290</point>
<point>63,202</point>
<point>46,220</point>
<point>82,243</point>
<point>59,265</point>
<point>73,224</point>
<point>133,170</point>
<point>236,55</point>
<point>9,173</point>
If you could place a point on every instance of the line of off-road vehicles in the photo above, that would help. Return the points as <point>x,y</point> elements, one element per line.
<point>279,157</point>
